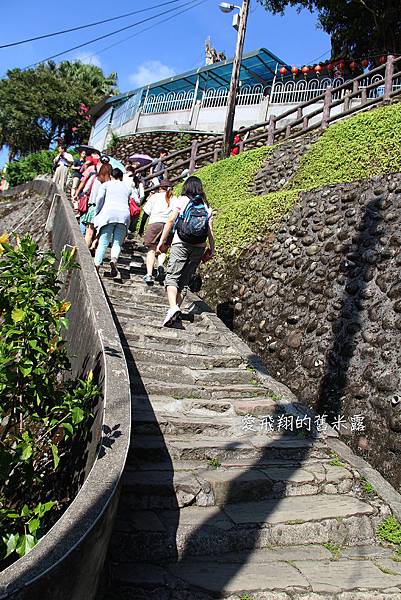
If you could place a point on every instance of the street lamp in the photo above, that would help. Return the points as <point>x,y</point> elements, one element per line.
<point>240,24</point>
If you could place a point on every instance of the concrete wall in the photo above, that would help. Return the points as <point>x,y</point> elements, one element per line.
<point>67,562</point>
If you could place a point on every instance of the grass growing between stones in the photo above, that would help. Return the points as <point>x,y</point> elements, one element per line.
<point>334,549</point>
<point>368,488</point>
<point>389,530</point>
<point>214,463</point>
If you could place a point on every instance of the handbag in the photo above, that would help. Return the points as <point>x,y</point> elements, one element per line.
<point>134,209</point>
<point>83,201</point>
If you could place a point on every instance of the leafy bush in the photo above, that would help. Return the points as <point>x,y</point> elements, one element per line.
<point>40,413</point>
<point>362,146</point>
<point>113,141</point>
<point>27,168</point>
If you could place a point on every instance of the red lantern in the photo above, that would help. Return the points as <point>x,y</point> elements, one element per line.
<point>318,69</point>
<point>365,63</point>
<point>353,66</point>
<point>295,70</point>
<point>283,71</point>
<point>305,70</point>
<point>330,67</point>
<point>382,60</point>
<point>341,65</point>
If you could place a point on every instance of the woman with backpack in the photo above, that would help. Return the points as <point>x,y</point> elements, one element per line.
<point>157,209</point>
<point>112,218</point>
<point>191,218</point>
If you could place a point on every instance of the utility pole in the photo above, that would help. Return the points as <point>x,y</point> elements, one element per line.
<point>232,95</point>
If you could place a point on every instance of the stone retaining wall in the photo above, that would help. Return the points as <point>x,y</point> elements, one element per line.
<point>320,301</point>
<point>67,562</point>
<point>151,141</point>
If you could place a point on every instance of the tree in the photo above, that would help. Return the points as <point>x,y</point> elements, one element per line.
<point>358,28</point>
<point>38,105</point>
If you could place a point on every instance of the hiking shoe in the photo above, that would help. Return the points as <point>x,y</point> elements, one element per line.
<point>113,269</point>
<point>149,280</point>
<point>172,315</point>
<point>161,274</point>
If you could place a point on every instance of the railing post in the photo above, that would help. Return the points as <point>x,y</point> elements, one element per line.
<point>326,107</point>
<point>288,130</point>
<point>347,101</point>
<point>305,122</point>
<point>192,160</point>
<point>216,154</point>
<point>272,130</point>
<point>388,77</point>
<point>299,112</point>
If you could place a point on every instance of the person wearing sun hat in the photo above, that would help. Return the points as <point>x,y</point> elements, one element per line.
<point>157,209</point>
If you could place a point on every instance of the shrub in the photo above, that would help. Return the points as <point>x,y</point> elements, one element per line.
<point>365,145</point>
<point>27,168</point>
<point>41,414</point>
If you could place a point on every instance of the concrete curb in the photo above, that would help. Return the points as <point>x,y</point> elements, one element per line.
<point>67,562</point>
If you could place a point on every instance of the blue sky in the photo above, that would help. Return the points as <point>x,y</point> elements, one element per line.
<point>163,50</point>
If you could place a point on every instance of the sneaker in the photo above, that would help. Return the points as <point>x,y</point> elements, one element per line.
<point>161,274</point>
<point>172,315</point>
<point>149,280</point>
<point>113,269</point>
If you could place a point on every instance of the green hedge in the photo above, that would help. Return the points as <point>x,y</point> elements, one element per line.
<point>240,215</point>
<point>362,146</point>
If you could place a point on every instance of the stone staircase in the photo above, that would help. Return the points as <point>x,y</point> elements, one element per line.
<point>213,504</point>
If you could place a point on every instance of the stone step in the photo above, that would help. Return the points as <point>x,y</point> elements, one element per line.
<point>143,385</point>
<point>222,486</point>
<point>146,422</point>
<point>180,346</point>
<point>196,377</point>
<point>203,448</point>
<point>298,572</point>
<point>210,531</point>
<point>206,407</point>
<point>183,331</point>
<point>193,361</point>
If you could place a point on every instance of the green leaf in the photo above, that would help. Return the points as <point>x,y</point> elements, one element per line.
<point>69,428</point>
<point>26,543</point>
<point>77,415</point>
<point>18,315</point>
<point>56,457</point>
<point>25,511</point>
<point>11,541</point>
<point>33,525</point>
<point>26,452</point>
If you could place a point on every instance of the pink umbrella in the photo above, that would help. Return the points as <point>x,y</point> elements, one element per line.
<point>141,159</point>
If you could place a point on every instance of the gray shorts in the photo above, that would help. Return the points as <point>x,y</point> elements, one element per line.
<point>184,260</point>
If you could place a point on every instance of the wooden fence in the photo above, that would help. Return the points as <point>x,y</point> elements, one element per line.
<point>335,104</point>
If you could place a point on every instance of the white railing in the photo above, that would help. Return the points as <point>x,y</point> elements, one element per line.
<point>168,102</point>
<point>248,95</point>
<point>303,90</point>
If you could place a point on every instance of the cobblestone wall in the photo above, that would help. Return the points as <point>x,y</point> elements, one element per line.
<point>321,302</point>
<point>152,140</point>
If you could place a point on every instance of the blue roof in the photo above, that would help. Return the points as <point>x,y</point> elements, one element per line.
<point>258,66</point>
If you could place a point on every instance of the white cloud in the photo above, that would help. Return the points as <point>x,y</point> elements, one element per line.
<point>149,72</point>
<point>88,59</point>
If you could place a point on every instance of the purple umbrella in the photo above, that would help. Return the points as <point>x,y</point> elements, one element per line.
<point>141,159</point>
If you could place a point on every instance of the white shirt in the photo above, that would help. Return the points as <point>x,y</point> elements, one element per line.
<point>157,208</point>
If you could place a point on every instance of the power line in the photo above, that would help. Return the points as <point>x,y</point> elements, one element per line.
<point>147,28</point>
<point>48,35</point>
<point>102,37</point>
